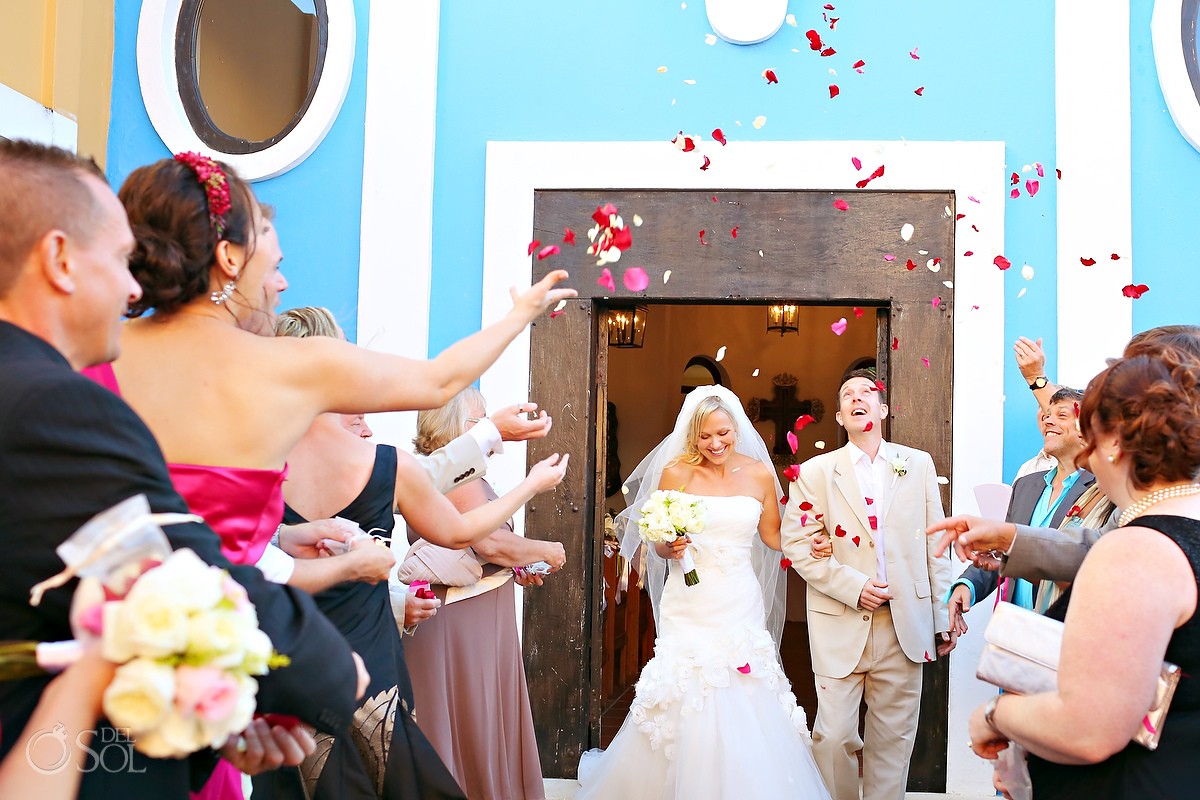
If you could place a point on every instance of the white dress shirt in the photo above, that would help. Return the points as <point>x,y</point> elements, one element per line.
<point>872,478</point>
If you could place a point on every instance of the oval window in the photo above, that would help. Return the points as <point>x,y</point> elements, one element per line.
<point>256,83</point>
<point>247,71</point>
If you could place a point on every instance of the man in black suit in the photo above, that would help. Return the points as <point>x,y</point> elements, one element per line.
<point>1041,499</point>
<point>70,449</point>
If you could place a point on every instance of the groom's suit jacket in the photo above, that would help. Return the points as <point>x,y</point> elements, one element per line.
<point>69,449</point>
<point>837,627</point>
<point>1026,492</point>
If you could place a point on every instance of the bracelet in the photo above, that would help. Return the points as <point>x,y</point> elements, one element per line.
<point>275,538</point>
<point>989,713</point>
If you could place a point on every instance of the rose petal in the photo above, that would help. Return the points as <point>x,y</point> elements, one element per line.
<point>804,504</point>
<point>841,205</point>
<point>839,531</point>
<point>744,669</point>
<point>1135,291</point>
<point>913,54</point>
<point>879,386</point>
<point>1014,194</point>
<point>873,521</point>
<point>704,166</point>
<point>878,173</point>
<point>568,237</point>
<point>554,314</point>
<point>769,74</point>
<point>1027,272</point>
<point>1002,262</point>
<point>1014,179</point>
<point>720,353</point>
<point>785,562</point>
<point>666,276</point>
<point>814,40</point>
<point>919,91</point>
<point>855,161</point>
<point>792,441</point>
<point>606,280</point>
<point>827,52</point>
<point>858,65</point>
<point>839,327</point>
<point>1037,165</point>
<point>856,540</point>
<point>733,232</point>
<point>801,421</point>
<point>546,252</point>
<point>925,361</point>
<point>889,257</point>
<point>534,245</point>
<point>968,253</point>
<point>759,121</point>
<point>935,302</point>
<point>1115,257</point>
<point>635,279</point>
<point>834,91</point>
<point>718,136</point>
<point>702,239</point>
<point>858,312</point>
<point>1031,187</point>
<point>791,474</point>
<point>906,231</point>
<point>1087,262</point>
<point>895,343</point>
<point>870,424</point>
<point>910,265</point>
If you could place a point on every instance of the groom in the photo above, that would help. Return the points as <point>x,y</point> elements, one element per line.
<point>873,607</point>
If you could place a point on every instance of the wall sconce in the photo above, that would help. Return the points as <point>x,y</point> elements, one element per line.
<point>784,319</point>
<point>627,326</point>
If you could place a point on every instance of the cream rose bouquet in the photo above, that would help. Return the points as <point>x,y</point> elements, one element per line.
<point>667,515</point>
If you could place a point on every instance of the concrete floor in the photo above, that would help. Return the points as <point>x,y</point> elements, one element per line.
<point>558,789</point>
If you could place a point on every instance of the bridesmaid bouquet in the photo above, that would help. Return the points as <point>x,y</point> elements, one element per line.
<point>184,633</point>
<point>667,515</point>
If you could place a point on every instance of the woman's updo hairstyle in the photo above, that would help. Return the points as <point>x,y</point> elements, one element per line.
<point>1151,403</point>
<point>176,242</point>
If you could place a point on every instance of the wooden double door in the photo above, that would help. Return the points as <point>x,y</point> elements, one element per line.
<point>891,251</point>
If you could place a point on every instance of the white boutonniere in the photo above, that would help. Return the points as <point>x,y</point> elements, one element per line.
<point>899,466</point>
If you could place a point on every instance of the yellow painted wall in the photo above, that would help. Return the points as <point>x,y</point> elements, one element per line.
<point>60,52</point>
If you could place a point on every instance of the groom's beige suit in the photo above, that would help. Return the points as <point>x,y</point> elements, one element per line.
<point>855,650</point>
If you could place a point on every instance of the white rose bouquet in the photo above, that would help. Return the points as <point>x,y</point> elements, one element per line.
<point>184,633</point>
<point>667,515</point>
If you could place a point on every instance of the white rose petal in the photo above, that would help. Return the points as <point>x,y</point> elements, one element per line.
<point>147,625</point>
<point>140,695</point>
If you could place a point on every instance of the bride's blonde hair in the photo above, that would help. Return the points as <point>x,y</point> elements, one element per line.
<point>704,410</point>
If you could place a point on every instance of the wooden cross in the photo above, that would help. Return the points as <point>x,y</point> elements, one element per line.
<point>783,410</point>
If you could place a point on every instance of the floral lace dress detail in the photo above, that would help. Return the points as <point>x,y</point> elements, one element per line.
<point>713,714</point>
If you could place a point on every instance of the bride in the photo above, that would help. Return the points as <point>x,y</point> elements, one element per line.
<point>714,716</point>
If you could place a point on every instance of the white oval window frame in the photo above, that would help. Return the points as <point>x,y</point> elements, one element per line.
<point>1166,30</point>
<point>746,21</point>
<point>157,30</point>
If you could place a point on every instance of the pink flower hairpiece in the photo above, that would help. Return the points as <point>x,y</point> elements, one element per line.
<point>216,187</point>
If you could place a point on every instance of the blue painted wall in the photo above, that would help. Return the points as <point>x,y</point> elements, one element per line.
<point>550,71</point>
<point>317,205</point>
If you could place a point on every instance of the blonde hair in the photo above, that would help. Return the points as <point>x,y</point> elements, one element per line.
<point>437,427</point>
<point>308,321</point>
<point>704,409</point>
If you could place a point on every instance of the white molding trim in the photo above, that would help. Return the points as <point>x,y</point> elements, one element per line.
<point>157,32</point>
<point>22,117</point>
<point>746,21</point>
<point>971,169</point>
<point>393,282</point>
<point>1166,30</point>
<point>1093,150</point>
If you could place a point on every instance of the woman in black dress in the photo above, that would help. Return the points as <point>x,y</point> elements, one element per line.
<point>1133,603</point>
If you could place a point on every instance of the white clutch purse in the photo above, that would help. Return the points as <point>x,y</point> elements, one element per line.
<point>1021,656</point>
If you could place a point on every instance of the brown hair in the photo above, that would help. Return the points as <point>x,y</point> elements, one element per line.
<point>308,321</point>
<point>868,375</point>
<point>176,244</point>
<point>1148,343</point>
<point>41,189</point>
<point>437,427</point>
<point>704,409</point>
<point>1152,405</point>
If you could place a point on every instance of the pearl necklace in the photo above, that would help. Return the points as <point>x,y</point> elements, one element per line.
<point>1154,498</point>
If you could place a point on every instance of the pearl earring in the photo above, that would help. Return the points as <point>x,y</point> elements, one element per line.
<point>226,292</point>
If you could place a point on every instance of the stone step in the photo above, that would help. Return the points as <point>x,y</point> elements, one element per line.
<point>560,789</point>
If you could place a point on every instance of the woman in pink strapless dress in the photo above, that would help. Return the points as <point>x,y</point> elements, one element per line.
<point>203,371</point>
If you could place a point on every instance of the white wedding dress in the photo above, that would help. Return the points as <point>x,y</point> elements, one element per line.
<point>714,716</point>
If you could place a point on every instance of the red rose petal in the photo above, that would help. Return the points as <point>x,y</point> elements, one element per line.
<point>606,280</point>
<point>805,505</point>
<point>801,421</point>
<point>733,232</point>
<point>895,343</point>
<point>818,516</point>
<point>814,40</point>
<point>839,531</point>
<point>957,217</point>
<point>702,239</point>
<point>689,144</point>
<point>792,473</point>
<point>635,279</point>
<point>879,387</point>
<point>1115,257</point>
<point>828,51</point>
<point>1014,194</point>
<point>1058,173</point>
<point>927,658</point>
<point>785,562</point>
<point>869,500</point>
<point>1002,262</point>
<point>856,162</point>
<point>1087,262</point>
<point>602,213</point>
<point>870,424</point>
<point>841,205</point>
<point>546,252</point>
<point>967,253</point>
<point>834,91</point>
<point>744,669</point>
<point>856,540</point>
<point>878,173</point>
<point>919,91</point>
<point>859,64</point>
<point>622,239</point>
<point>704,166</point>
<point>769,74</point>
<point>1074,512</point>
<point>858,312</point>
<point>910,265</point>
<point>554,314</point>
<point>714,198</point>
<point>534,245</point>
<point>793,442</point>
<point>718,136</point>
<point>1135,291</point>
<point>1014,179</point>
<point>569,237</point>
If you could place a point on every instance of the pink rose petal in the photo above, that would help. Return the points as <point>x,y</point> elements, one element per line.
<point>792,441</point>
<point>1002,262</point>
<point>635,279</point>
<point>744,669</point>
<point>1032,187</point>
<point>718,136</point>
<point>839,327</point>
<point>935,302</point>
<point>606,280</point>
<point>841,205</point>
<point>925,361</point>
<point>856,162</point>
<point>546,252</point>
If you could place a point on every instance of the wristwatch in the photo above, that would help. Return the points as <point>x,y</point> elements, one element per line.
<point>1039,382</point>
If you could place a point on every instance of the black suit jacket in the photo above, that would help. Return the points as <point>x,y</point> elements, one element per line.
<point>1025,495</point>
<point>70,449</point>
